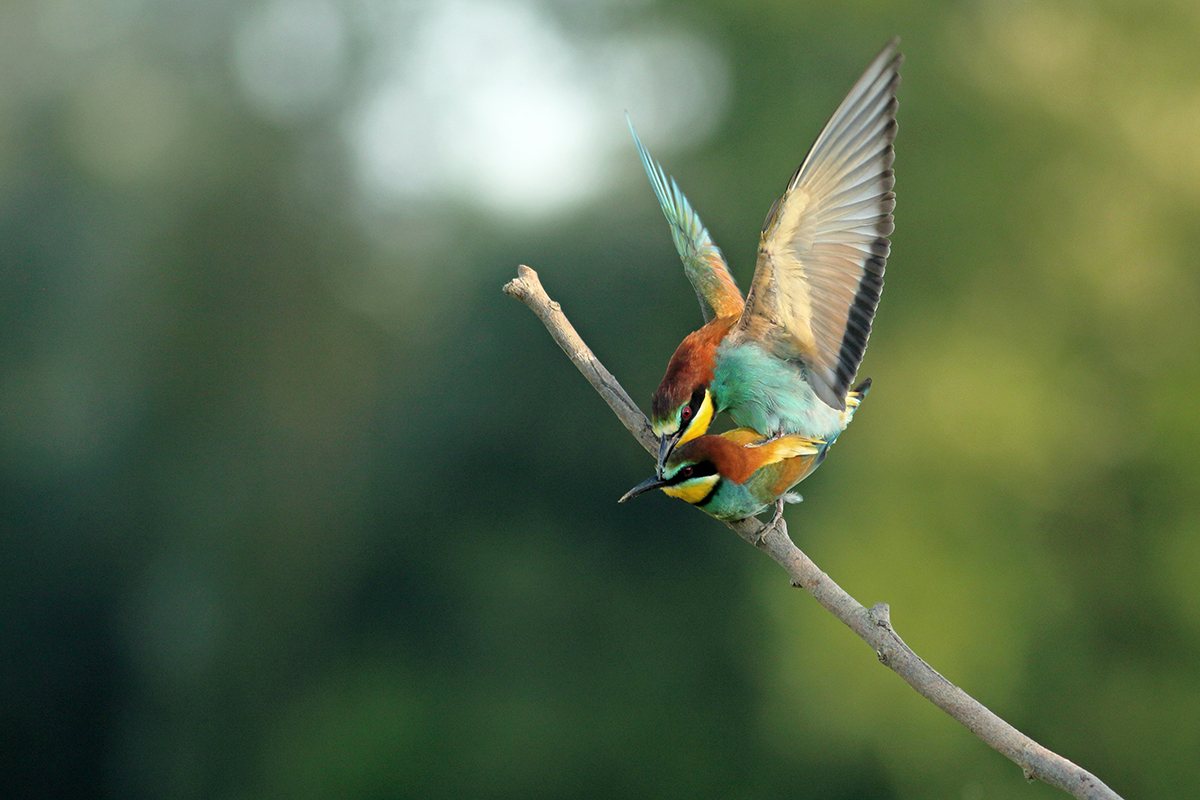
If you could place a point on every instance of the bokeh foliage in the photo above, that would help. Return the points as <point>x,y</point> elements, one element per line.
<point>297,504</point>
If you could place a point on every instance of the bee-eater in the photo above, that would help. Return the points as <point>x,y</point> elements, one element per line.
<point>736,474</point>
<point>782,361</point>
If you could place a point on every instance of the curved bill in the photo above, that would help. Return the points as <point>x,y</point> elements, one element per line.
<point>665,445</point>
<point>643,487</point>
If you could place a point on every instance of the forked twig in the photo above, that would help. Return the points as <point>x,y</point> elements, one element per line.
<point>873,626</point>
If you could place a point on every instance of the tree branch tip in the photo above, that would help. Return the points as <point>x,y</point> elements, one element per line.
<point>516,288</point>
<point>524,285</point>
<point>881,615</point>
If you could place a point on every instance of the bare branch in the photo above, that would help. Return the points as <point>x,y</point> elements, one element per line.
<point>872,626</point>
<point>528,289</point>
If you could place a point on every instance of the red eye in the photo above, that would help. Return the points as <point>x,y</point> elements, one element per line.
<point>687,413</point>
<point>686,472</point>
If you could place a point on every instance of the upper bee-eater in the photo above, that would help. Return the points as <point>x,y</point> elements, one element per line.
<point>736,475</point>
<point>782,361</point>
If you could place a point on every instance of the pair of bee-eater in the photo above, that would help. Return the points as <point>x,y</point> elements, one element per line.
<point>780,362</point>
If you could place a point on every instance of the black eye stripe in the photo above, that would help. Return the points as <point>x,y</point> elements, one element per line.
<point>693,408</point>
<point>701,470</point>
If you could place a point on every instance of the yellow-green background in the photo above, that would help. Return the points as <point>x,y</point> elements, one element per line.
<point>265,535</point>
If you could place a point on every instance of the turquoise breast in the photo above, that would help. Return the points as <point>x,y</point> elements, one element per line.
<point>770,395</point>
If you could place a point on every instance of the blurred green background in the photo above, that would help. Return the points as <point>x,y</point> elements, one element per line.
<point>295,503</point>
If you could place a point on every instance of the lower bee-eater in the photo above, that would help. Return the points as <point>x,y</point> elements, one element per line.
<point>737,474</point>
<point>782,362</point>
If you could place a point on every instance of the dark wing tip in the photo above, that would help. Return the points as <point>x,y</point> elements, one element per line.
<point>858,322</point>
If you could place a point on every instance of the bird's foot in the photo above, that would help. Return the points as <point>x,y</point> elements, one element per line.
<point>774,437</point>
<point>776,519</point>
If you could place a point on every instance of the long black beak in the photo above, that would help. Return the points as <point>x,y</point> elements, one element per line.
<point>665,445</point>
<point>643,487</point>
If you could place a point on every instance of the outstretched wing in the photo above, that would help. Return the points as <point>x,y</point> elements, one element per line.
<point>825,242</point>
<point>702,260</point>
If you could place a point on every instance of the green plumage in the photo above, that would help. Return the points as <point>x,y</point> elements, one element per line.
<point>784,359</point>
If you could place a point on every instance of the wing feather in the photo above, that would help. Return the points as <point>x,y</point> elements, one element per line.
<point>703,262</point>
<point>774,451</point>
<point>825,241</point>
